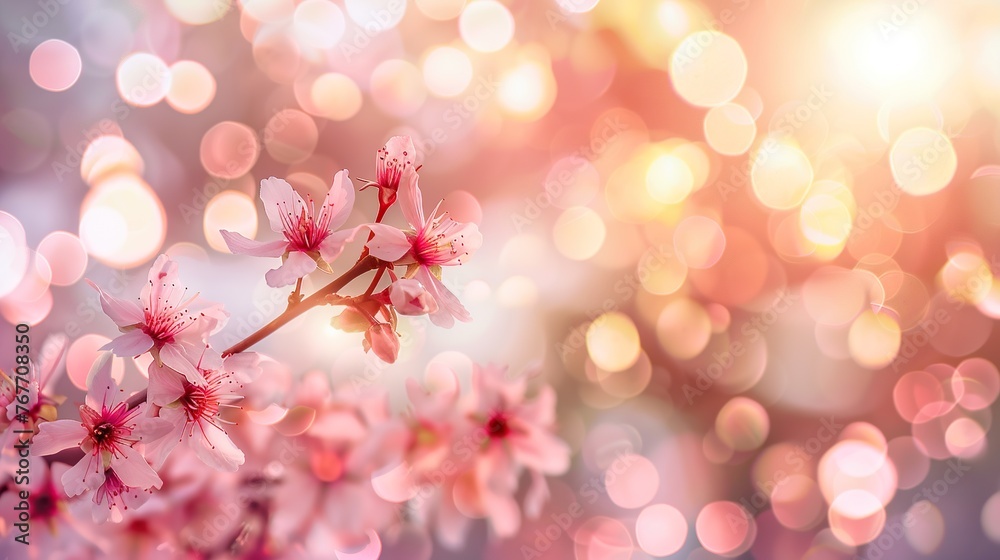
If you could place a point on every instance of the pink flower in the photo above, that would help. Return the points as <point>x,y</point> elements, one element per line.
<point>108,434</point>
<point>381,339</point>
<point>113,498</point>
<point>434,241</point>
<point>194,412</point>
<point>310,241</point>
<point>515,433</point>
<point>392,162</point>
<point>409,297</point>
<point>167,321</point>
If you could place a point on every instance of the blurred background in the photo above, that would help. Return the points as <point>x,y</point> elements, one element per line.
<point>751,242</point>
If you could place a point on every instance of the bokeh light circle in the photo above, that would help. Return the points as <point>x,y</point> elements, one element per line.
<point>232,211</point>
<point>486,25</point>
<point>143,79</point>
<point>229,149</point>
<point>708,68</point>
<point>660,530</point>
<point>192,87</point>
<point>55,65</point>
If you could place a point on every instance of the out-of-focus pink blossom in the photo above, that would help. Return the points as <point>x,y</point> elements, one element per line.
<point>194,412</point>
<point>166,321</point>
<point>109,433</point>
<point>434,241</point>
<point>514,432</point>
<point>310,236</point>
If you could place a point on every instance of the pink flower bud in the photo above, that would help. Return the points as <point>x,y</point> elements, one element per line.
<point>383,341</point>
<point>411,298</point>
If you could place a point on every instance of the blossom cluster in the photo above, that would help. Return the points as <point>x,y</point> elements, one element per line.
<point>356,469</point>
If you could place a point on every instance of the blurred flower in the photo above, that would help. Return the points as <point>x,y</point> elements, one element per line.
<point>171,325</point>
<point>434,242</point>
<point>516,433</point>
<point>310,241</point>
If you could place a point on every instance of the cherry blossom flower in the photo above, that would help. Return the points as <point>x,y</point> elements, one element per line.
<point>167,321</point>
<point>194,412</point>
<point>310,240</point>
<point>434,241</point>
<point>112,499</point>
<point>108,433</point>
<point>511,432</point>
<point>392,162</point>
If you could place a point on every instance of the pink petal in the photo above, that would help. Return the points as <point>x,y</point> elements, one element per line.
<point>174,357</point>
<point>449,307</point>
<point>241,245</point>
<point>163,277</point>
<point>87,474</point>
<point>215,449</point>
<point>333,245</point>
<point>123,313</point>
<point>450,525</point>
<point>389,244</point>
<point>296,266</point>
<point>245,366</point>
<point>279,199</point>
<point>339,201</point>
<point>536,496</point>
<point>412,202</point>
<point>165,385</point>
<point>133,469</point>
<point>101,387</point>
<point>541,451</point>
<point>130,344</point>
<point>157,450</point>
<point>55,436</point>
<point>53,351</point>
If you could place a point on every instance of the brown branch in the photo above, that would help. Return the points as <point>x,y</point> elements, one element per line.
<point>364,265</point>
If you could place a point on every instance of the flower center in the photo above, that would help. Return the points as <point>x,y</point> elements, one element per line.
<point>199,401</point>
<point>497,426</point>
<point>103,432</point>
